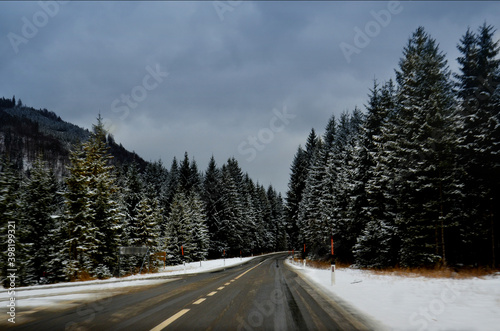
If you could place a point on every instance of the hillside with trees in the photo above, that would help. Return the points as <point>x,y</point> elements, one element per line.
<point>26,133</point>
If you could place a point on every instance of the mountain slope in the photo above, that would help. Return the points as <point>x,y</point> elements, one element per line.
<point>26,132</point>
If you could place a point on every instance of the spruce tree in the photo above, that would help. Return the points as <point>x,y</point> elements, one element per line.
<point>199,238</point>
<point>145,231</point>
<point>478,94</point>
<point>40,205</point>
<point>212,198</point>
<point>231,216</point>
<point>296,186</point>
<point>176,233</point>
<point>92,217</point>
<point>9,220</point>
<point>377,244</point>
<point>424,175</point>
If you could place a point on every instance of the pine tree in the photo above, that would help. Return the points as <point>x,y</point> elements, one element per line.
<point>424,176</point>
<point>310,216</point>
<point>296,187</point>
<point>478,94</point>
<point>279,226</point>
<point>171,187</point>
<point>212,198</point>
<point>231,216</point>
<point>145,232</point>
<point>377,244</point>
<point>77,217</point>
<point>40,205</point>
<point>134,188</point>
<point>176,234</point>
<point>199,238</point>
<point>9,220</point>
<point>92,217</point>
<point>185,174</point>
<point>264,225</point>
<point>186,229</point>
<point>155,187</point>
<point>133,193</point>
<point>254,218</point>
<point>339,185</point>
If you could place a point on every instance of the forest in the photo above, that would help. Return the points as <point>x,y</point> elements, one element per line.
<point>414,181</point>
<point>411,181</point>
<point>71,227</point>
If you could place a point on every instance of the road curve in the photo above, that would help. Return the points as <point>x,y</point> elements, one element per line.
<point>263,294</point>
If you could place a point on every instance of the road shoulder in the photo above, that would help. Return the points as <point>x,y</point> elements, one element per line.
<point>319,291</point>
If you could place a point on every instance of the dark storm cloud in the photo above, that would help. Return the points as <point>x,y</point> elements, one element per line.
<point>226,77</point>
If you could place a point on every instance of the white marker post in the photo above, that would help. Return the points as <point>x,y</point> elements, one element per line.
<point>333,275</point>
<point>183,260</point>
<point>332,281</point>
<point>304,255</point>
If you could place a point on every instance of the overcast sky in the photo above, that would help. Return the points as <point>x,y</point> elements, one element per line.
<point>246,79</point>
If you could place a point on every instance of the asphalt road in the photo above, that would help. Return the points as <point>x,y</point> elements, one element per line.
<point>263,294</point>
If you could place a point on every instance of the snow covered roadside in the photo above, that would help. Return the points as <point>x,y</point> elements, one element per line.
<point>48,296</point>
<point>416,303</point>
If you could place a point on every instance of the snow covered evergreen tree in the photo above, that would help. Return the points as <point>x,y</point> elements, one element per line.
<point>40,205</point>
<point>338,188</point>
<point>171,187</point>
<point>424,171</point>
<point>377,244</point>
<point>176,232</point>
<point>231,216</point>
<point>479,96</point>
<point>186,230</point>
<point>212,197</point>
<point>92,215</point>
<point>279,226</point>
<point>9,219</point>
<point>132,194</point>
<point>296,187</point>
<point>145,231</point>
<point>199,240</point>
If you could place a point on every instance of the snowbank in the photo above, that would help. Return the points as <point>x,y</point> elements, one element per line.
<point>416,303</point>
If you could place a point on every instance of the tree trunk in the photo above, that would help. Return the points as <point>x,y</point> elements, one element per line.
<point>441,216</point>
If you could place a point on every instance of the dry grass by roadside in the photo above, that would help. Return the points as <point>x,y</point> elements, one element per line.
<point>438,272</point>
<point>320,264</point>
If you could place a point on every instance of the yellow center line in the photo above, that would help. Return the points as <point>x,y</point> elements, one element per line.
<point>197,302</point>
<point>248,270</point>
<point>169,321</point>
<point>228,283</point>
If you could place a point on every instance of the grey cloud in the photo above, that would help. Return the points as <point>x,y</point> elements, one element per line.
<point>225,77</point>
